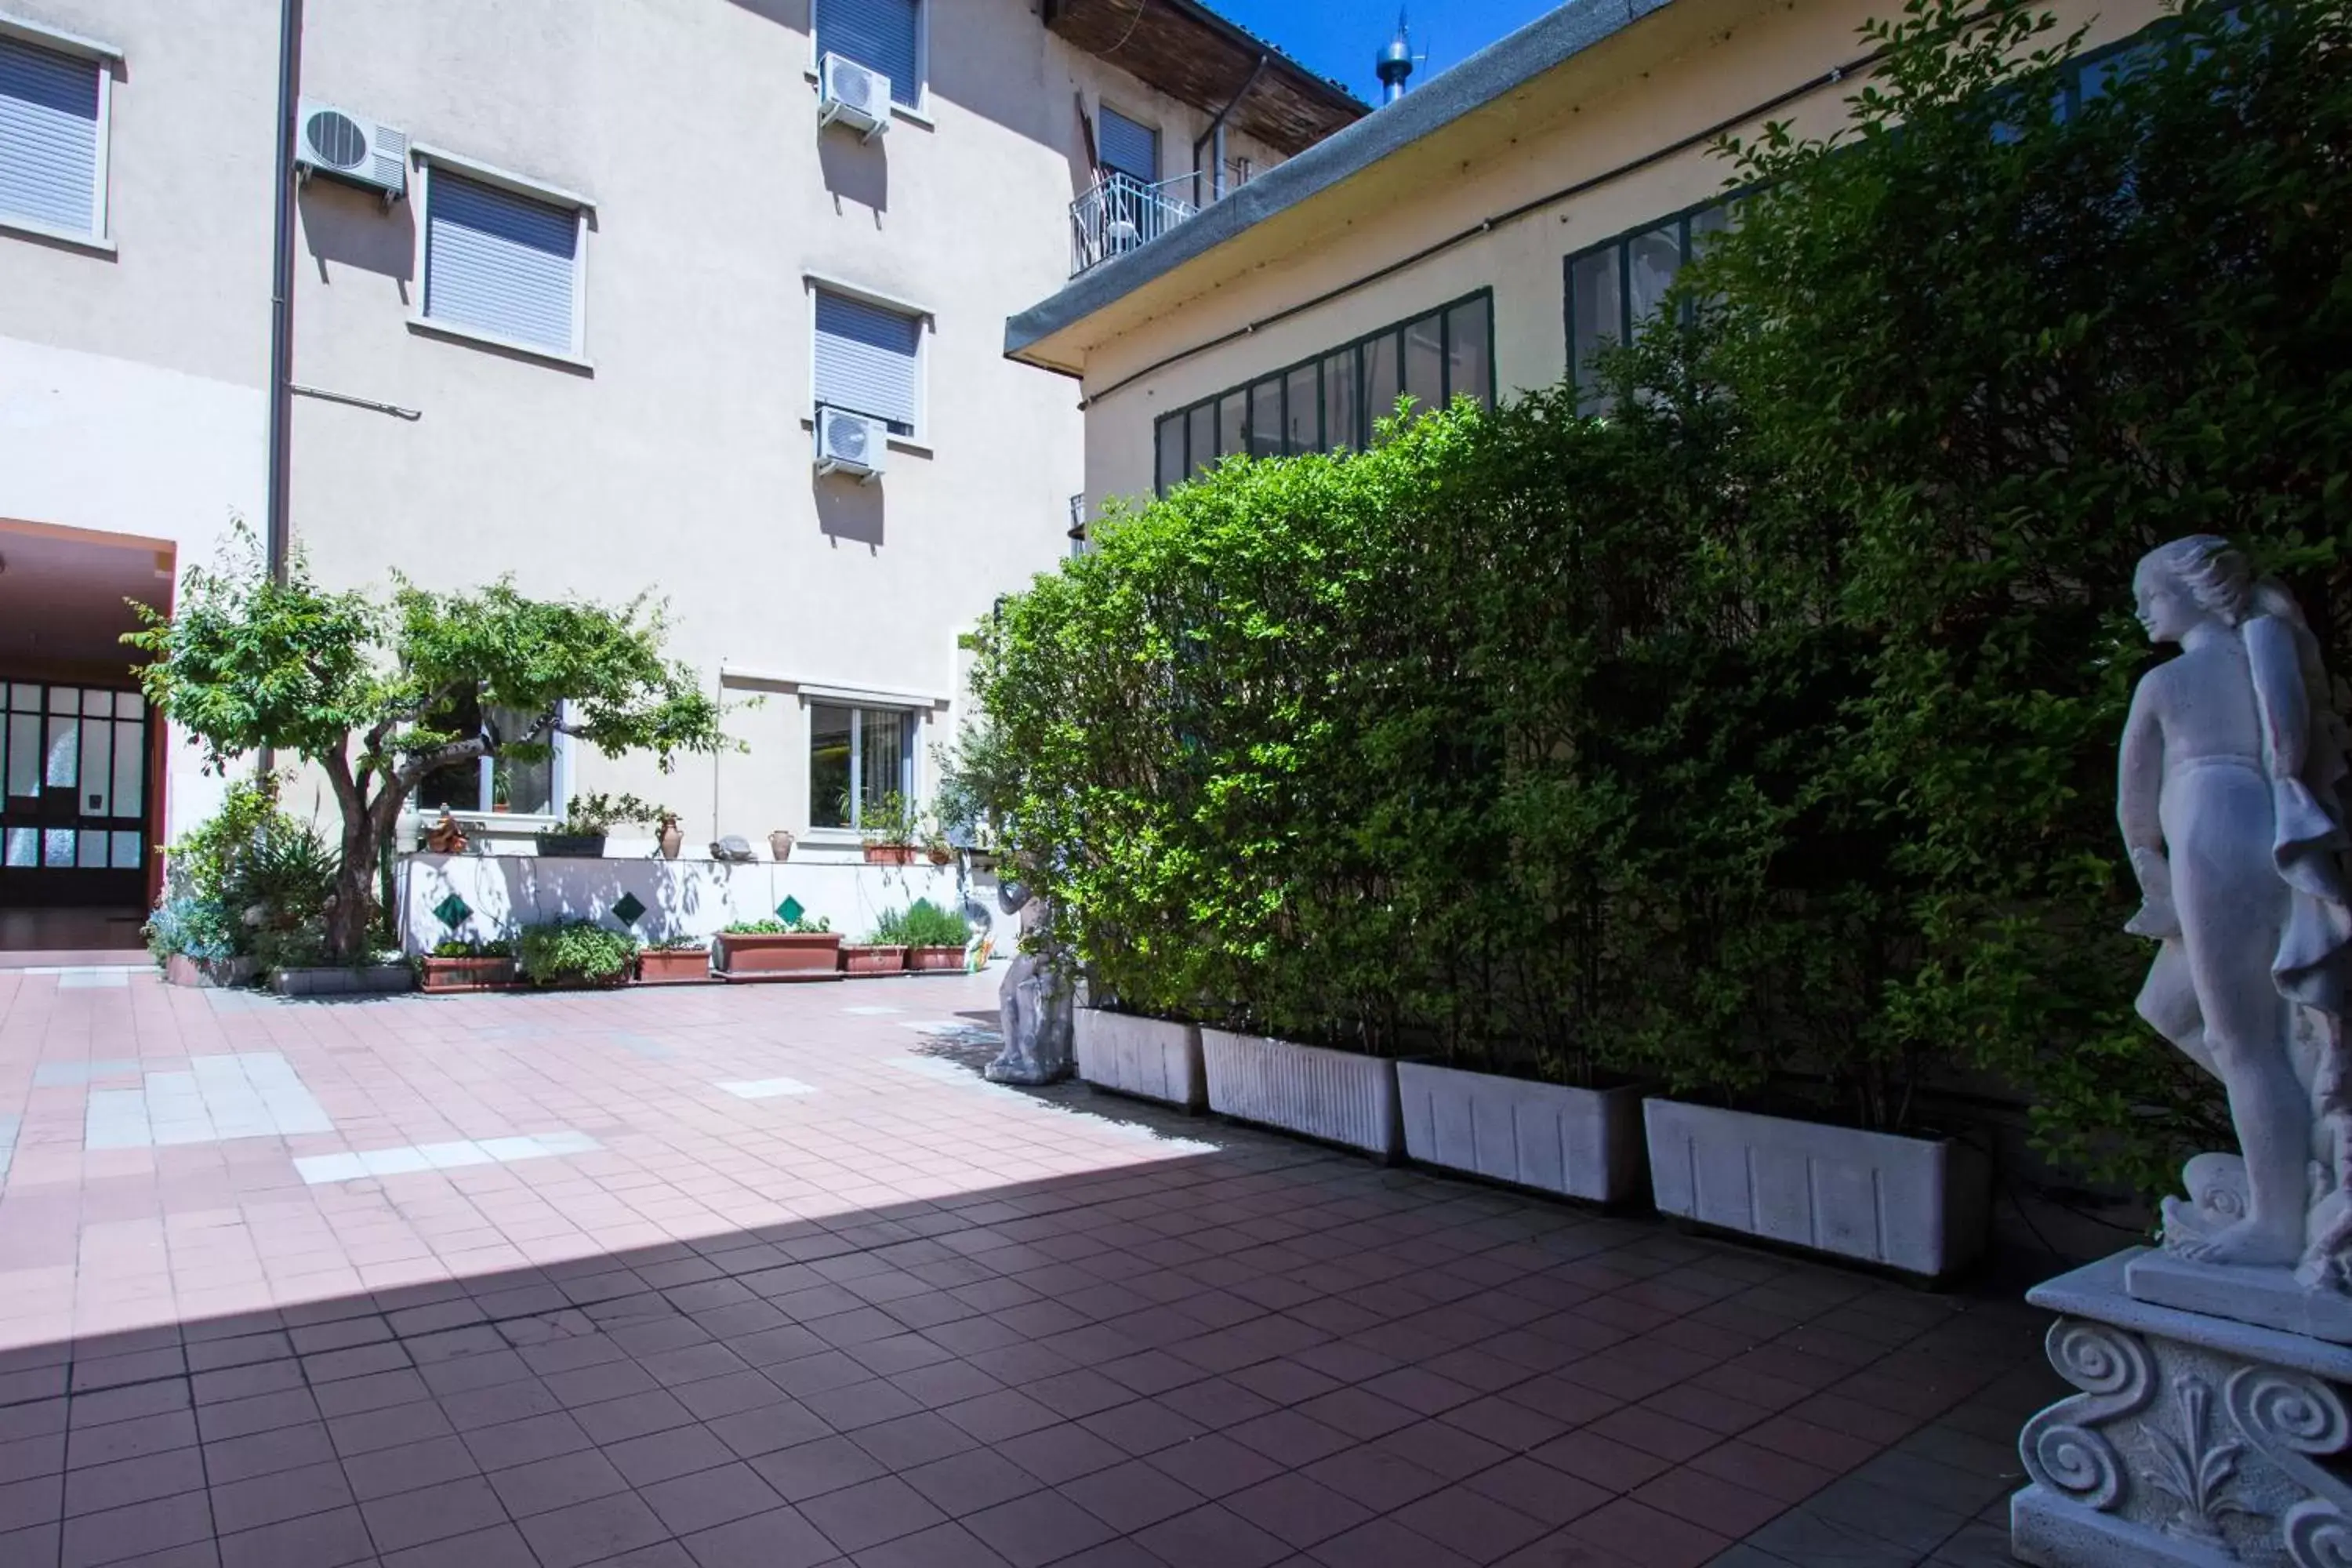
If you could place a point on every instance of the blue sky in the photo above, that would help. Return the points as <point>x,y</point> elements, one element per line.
<point>1338,38</point>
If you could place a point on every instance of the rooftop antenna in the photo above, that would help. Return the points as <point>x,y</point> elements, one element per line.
<point>1394,62</point>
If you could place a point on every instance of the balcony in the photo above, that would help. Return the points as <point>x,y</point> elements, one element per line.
<point>1122,214</point>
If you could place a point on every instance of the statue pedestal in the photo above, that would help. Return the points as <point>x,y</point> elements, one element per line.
<point>2197,1441</point>
<point>2267,1297</point>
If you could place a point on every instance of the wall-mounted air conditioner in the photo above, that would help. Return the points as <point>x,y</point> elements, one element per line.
<point>331,142</point>
<point>850,443</point>
<point>853,95</point>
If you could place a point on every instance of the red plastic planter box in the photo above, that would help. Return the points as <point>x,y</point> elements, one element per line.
<point>870,960</point>
<point>779,955</point>
<point>673,966</point>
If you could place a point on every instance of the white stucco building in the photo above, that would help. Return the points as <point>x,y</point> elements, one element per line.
<point>586,343</point>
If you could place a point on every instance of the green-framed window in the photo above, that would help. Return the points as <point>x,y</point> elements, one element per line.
<point>1613,288</point>
<point>1331,402</point>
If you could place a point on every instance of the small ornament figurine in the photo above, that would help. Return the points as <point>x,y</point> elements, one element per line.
<point>444,837</point>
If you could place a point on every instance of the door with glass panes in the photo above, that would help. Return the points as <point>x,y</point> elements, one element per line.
<point>73,821</point>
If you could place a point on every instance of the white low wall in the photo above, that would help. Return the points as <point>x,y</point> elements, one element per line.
<point>681,897</point>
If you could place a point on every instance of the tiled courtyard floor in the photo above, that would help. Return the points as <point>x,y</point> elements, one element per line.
<point>702,1277</point>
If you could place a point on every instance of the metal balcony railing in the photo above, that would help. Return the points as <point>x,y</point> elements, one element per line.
<point>1122,213</point>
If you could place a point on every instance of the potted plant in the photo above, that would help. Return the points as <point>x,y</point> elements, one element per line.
<point>459,965</point>
<point>891,828</point>
<point>1550,1119</point>
<point>877,954</point>
<point>935,939</point>
<point>773,950</point>
<point>575,952</point>
<point>674,961</point>
<point>591,817</point>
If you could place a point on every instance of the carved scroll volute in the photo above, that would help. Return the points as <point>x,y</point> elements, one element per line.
<point>2291,1419</point>
<point>2061,1448</point>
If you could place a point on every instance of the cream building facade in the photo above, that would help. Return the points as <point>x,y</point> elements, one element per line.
<point>585,345</point>
<point>1482,234</point>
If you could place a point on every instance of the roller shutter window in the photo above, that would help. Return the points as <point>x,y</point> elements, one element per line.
<point>501,263</point>
<point>882,35</point>
<point>1130,147</point>
<point>867,360</point>
<point>52,109</point>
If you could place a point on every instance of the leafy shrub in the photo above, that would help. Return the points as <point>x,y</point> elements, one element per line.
<point>804,926</point>
<point>573,953</point>
<point>192,927</point>
<point>679,944</point>
<point>594,813</point>
<point>922,924</point>
<point>461,947</point>
<point>1759,737</point>
<point>252,879</point>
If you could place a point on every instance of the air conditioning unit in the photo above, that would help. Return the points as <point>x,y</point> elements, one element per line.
<point>328,140</point>
<point>853,95</point>
<point>850,443</point>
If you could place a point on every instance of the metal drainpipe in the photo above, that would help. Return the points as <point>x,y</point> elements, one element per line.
<point>279,535</point>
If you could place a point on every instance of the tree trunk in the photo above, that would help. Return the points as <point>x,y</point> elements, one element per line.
<point>353,919</point>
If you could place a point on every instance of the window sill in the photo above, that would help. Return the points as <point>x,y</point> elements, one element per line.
<point>78,239</point>
<point>512,823</point>
<point>897,111</point>
<point>457,333</point>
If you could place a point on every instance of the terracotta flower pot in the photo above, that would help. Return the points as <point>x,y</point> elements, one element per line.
<point>865,958</point>
<point>890,854</point>
<point>673,839</point>
<point>779,955</point>
<point>491,973</point>
<point>935,960</point>
<point>780,845</point>
<point>673,966</point>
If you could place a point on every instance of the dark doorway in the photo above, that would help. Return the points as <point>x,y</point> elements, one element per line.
<point>75,768</point>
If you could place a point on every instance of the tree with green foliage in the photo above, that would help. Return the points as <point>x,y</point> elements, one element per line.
<point>380,694</point>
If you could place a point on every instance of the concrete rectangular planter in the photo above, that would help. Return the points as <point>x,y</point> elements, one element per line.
<point>1150,1058</point>
<point>935,960</point>
<point>366,979</point>
<point>673,966</point>
<point>1918,1204</point>
<point>1578,1143</point>
<point>863,958</point>
<point>778,955</point>
<point>1337,1096</point>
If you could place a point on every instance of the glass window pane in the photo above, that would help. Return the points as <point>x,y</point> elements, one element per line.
<point>1171,452</point>
<point>455,788</point>
<point>882,756</point>
<point>517,784</point>
<point>96,768</point>
<point>23,754</point>
<point>1596,310</point>
<point>25,697</point>
<point>64,699</point>
<point>64,752</point>
<point>1201,433</point>
<point>1265,419</point>
<point>126,856</point>
<point>1233,419</point>
<point>129,767</point>
<point>1302,425</point>
<point>129,705</point>
<point>57,847</point>
<point>1424,364</point>
<point>1384,378</point>
<point>98,703</point>
<point>828,766</point>
<point>1340,426</point>
<point>89,851</point>
<point>1652,261</point>
<point>1706,223</point>
<point>1469,353</point>
<point>24,846</point>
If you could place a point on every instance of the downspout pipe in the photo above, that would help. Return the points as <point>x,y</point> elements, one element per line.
<point>1215,134</point>
<point>279,535</point>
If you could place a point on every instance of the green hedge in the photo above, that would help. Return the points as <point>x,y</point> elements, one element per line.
<point>1757,738</point>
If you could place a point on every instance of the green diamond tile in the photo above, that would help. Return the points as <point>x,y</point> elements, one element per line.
<point>628,906</point>
<point>452,911</point>
<point>790,910</point>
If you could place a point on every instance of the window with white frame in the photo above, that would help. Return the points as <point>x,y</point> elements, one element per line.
<point>859,759</point>
<point>868,360</point>
<point>500,264</point>
<point>524,787</point>
<point>53,135</point>
<point>885,36</point>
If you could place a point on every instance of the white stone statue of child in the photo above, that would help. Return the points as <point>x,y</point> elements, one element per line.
<point>2228,800</point>
<point>1034,1003</point>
